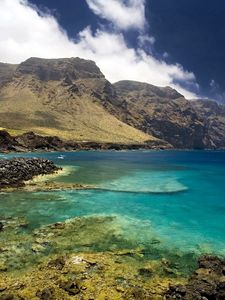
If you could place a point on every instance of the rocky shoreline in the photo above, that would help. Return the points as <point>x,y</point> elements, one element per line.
<point>33,142</point>
<point>16,171</point>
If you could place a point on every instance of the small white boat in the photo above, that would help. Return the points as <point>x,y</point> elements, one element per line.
<point>61,156</point>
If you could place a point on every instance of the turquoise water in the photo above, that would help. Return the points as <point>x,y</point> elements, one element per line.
<point>175,197</point>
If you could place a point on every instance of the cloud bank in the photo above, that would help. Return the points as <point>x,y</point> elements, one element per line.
<point>25,31</point>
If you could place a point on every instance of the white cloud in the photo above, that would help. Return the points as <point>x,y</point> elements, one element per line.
<point>123,14</point>
<point>24,32</point>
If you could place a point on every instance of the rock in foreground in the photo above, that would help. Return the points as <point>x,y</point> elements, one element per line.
<point>14,172</point>
<point>208,282</point>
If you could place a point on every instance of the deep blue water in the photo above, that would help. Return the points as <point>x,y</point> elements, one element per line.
<point>177,197</point>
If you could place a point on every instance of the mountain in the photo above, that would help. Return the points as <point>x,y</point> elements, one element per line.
<point>71,98</point>
<point>60,97</point>
<point>167,115</point>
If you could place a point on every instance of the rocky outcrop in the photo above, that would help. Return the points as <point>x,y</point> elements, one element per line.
<point>14,172</point>
<point>7,142</point>
<point>32,141</point>
<point>208,282</point>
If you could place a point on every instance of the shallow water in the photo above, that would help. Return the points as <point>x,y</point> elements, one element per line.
<point>176,198</point>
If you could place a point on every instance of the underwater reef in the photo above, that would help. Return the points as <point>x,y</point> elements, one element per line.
<point>91,258</point>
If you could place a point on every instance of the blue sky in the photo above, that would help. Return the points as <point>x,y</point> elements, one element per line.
<point>177,42</point>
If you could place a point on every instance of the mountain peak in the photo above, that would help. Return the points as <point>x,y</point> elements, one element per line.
<point>57,69</point>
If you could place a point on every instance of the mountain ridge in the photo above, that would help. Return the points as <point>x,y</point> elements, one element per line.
<point>72,99</point>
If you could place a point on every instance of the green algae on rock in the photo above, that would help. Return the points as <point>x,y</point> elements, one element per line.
<point>87,276</point>
<point>85,258</point>
<point>22,246</point>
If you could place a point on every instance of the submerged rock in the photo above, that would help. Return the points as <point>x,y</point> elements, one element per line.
<point>146,272</point>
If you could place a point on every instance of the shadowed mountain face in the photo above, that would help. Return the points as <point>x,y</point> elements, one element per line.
<point>71,98</point>
<point>166,114</point>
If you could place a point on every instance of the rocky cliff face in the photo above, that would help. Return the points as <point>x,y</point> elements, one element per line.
<point>167,115</point>
<point>70,98</point>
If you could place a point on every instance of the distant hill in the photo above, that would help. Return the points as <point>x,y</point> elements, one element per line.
<point>71,98</point>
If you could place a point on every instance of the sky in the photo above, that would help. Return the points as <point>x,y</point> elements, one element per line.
<point>178,43</point>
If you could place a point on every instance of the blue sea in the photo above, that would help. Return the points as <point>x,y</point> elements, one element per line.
<point>176,198</point>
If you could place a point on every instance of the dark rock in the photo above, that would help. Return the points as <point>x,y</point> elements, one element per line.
<point>212,263</point>
<point>46,294</point>
<point>10,297</point>
<point>205,283</point>
<point>58,263</point>
<point>71,287</point>
<point>145,272</point>
<point>1,226</point>
<point>14,172</point>
<point>137,293</point>
<point>7,297</point>
<point>33,142</point>
<point>7,142</point>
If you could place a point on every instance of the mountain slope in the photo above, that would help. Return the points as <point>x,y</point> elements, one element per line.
<point>166,114</point>
<point>6,72</point>
<point>70,98</point>
<point>59,97</point>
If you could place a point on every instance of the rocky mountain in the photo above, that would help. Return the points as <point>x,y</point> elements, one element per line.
<point>60,97</point>
<point>167,115</point>
<point>71,98</point>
